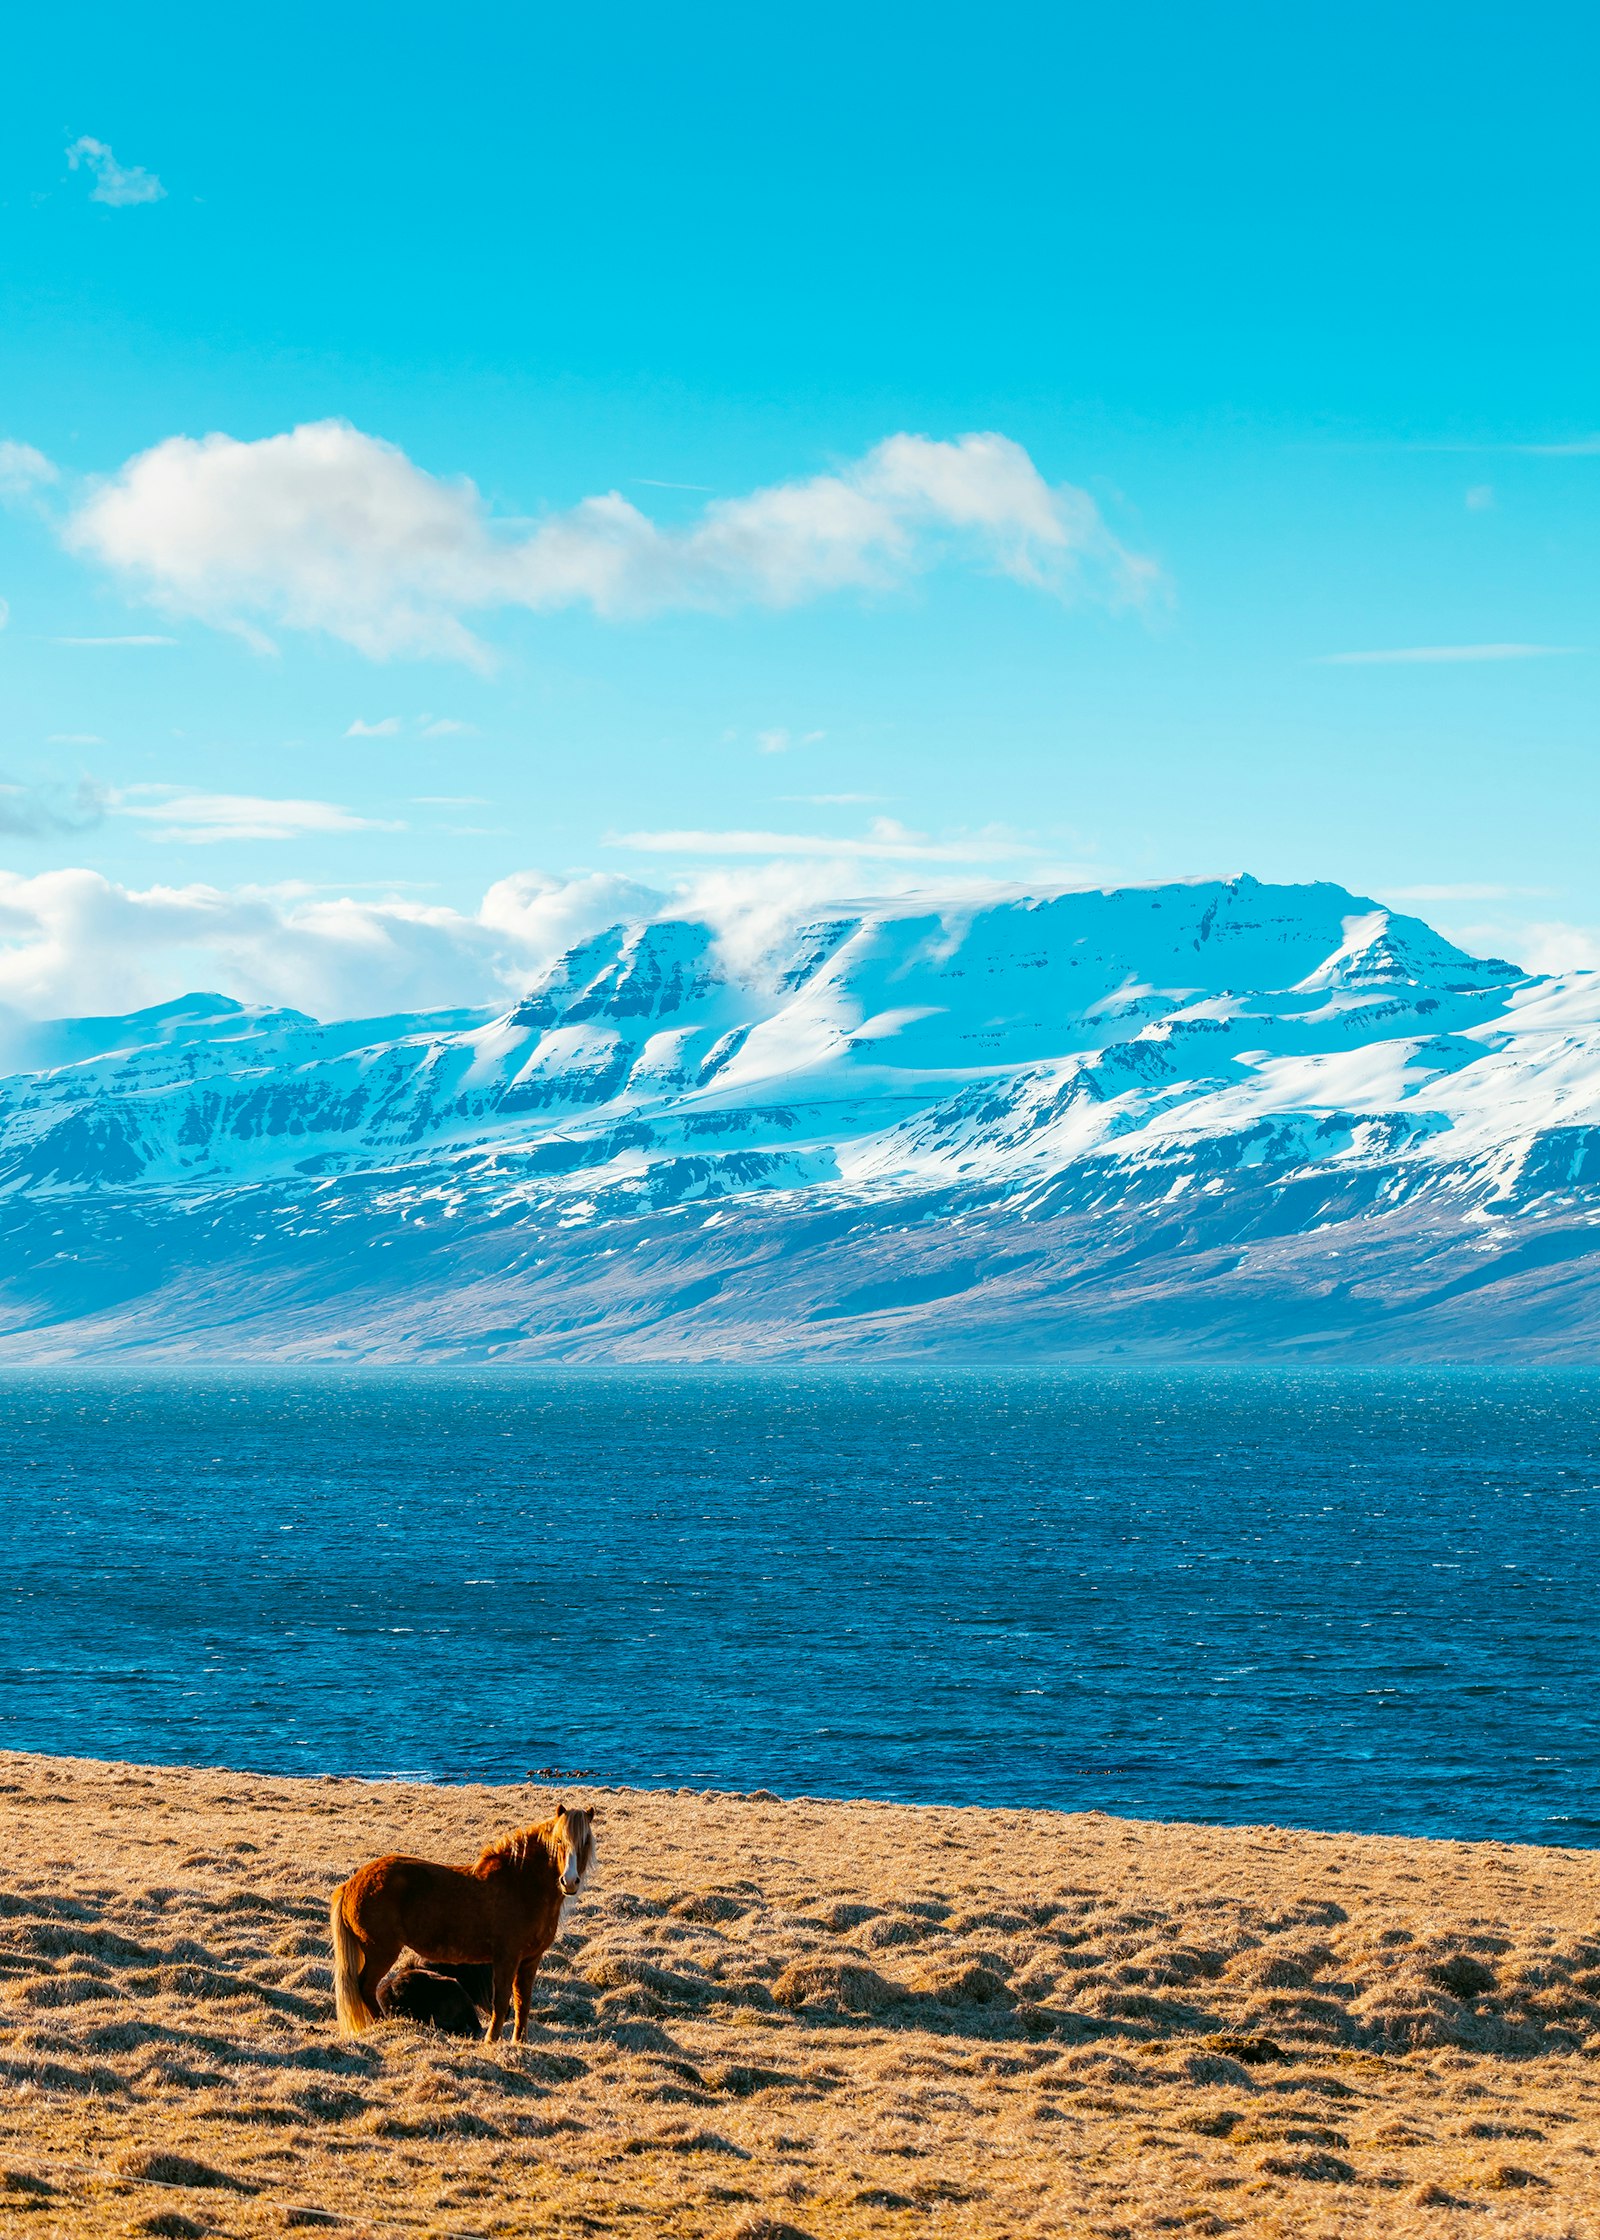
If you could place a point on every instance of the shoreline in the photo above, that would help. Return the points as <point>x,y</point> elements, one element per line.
<point>447,1784</point>
<point>814,2017</point>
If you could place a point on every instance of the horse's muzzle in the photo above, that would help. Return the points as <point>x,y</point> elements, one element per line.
<point>568,1889</point>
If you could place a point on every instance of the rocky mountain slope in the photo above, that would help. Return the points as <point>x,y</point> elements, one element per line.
<point>1217,1117</point>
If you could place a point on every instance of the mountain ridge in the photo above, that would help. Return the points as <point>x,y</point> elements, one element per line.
<point>1214,1117</point>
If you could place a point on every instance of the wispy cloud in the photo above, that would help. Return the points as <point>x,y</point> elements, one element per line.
<point>119,184</point>
<point>325,528</point>
<point>886,841</point>
<point>451,801</point>
<point>142,638</point>
<point>24,471</point>
<point>76,739</point>
<point>835,800</point>
<point>1566,447</point>
<point>197,817</point>
<point>1462,892</point>
<point>425,726</point>
<point>1480,498</point>
<point>39,812</point>
<point>779,742</point>
<point>1387,655</point>
<point>1577,447</point>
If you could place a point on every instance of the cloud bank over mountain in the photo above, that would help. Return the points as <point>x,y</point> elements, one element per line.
<point>73,941</point>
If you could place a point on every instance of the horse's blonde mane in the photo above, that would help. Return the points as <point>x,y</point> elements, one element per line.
<point>515,1846</point>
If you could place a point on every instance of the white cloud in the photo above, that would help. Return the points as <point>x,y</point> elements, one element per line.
<point>540,916</point>
<point>886,841</point>
<point>754,908</point>
<point>198,817</point>
<point>426,726</point>
<point>23,471</point>
<point>47,811</point>
<point>1577,447</point>
<point>325,528</point>
<point>142,640</point>
<point>74,942</point>
<point>1543,945</point>
<point>1580,447</point>
<point>1439,653</point>
<point>5,613</point>
<point>121,185</point>
<point>1555,947</point>
<point>779,742</point>
<point>1466,892</point>
<point>76,739</point>
<point>1480,498</point>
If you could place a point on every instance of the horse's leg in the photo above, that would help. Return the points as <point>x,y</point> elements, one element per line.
<point>505,1973</point>
<point>380,1958</point>
<point>524,1996</point>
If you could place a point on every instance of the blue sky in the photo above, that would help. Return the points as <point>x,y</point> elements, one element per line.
<point>1287,321</point>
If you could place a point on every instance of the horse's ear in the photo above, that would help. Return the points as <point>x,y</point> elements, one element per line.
<point>593,1810</point>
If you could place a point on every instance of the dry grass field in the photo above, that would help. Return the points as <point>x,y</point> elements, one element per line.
<point>777,2019</point>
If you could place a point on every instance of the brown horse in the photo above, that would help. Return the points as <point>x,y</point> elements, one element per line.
<point>506,1910</point>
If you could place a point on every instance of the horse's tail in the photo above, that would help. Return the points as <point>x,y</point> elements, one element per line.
<point>349,1957</point>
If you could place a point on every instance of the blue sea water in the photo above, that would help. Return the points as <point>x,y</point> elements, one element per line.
<point>1359,1600</point>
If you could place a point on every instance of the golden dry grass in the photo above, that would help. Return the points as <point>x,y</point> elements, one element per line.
<point>773,2019</point>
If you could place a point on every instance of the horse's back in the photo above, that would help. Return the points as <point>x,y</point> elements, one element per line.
<point>424,1902</point>
<point>398,1875</point>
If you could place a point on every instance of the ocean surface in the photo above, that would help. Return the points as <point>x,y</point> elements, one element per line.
<point>1357,1600</point>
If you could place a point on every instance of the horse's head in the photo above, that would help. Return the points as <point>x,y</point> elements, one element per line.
<point>572,1846</point>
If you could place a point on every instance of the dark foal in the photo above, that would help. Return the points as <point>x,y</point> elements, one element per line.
<point>447,1999</point>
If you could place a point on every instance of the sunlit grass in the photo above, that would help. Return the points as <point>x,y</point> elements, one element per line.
<point>769,2019</point>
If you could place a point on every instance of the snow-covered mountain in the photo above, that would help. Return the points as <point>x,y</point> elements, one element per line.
<point>1212,1116</point>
